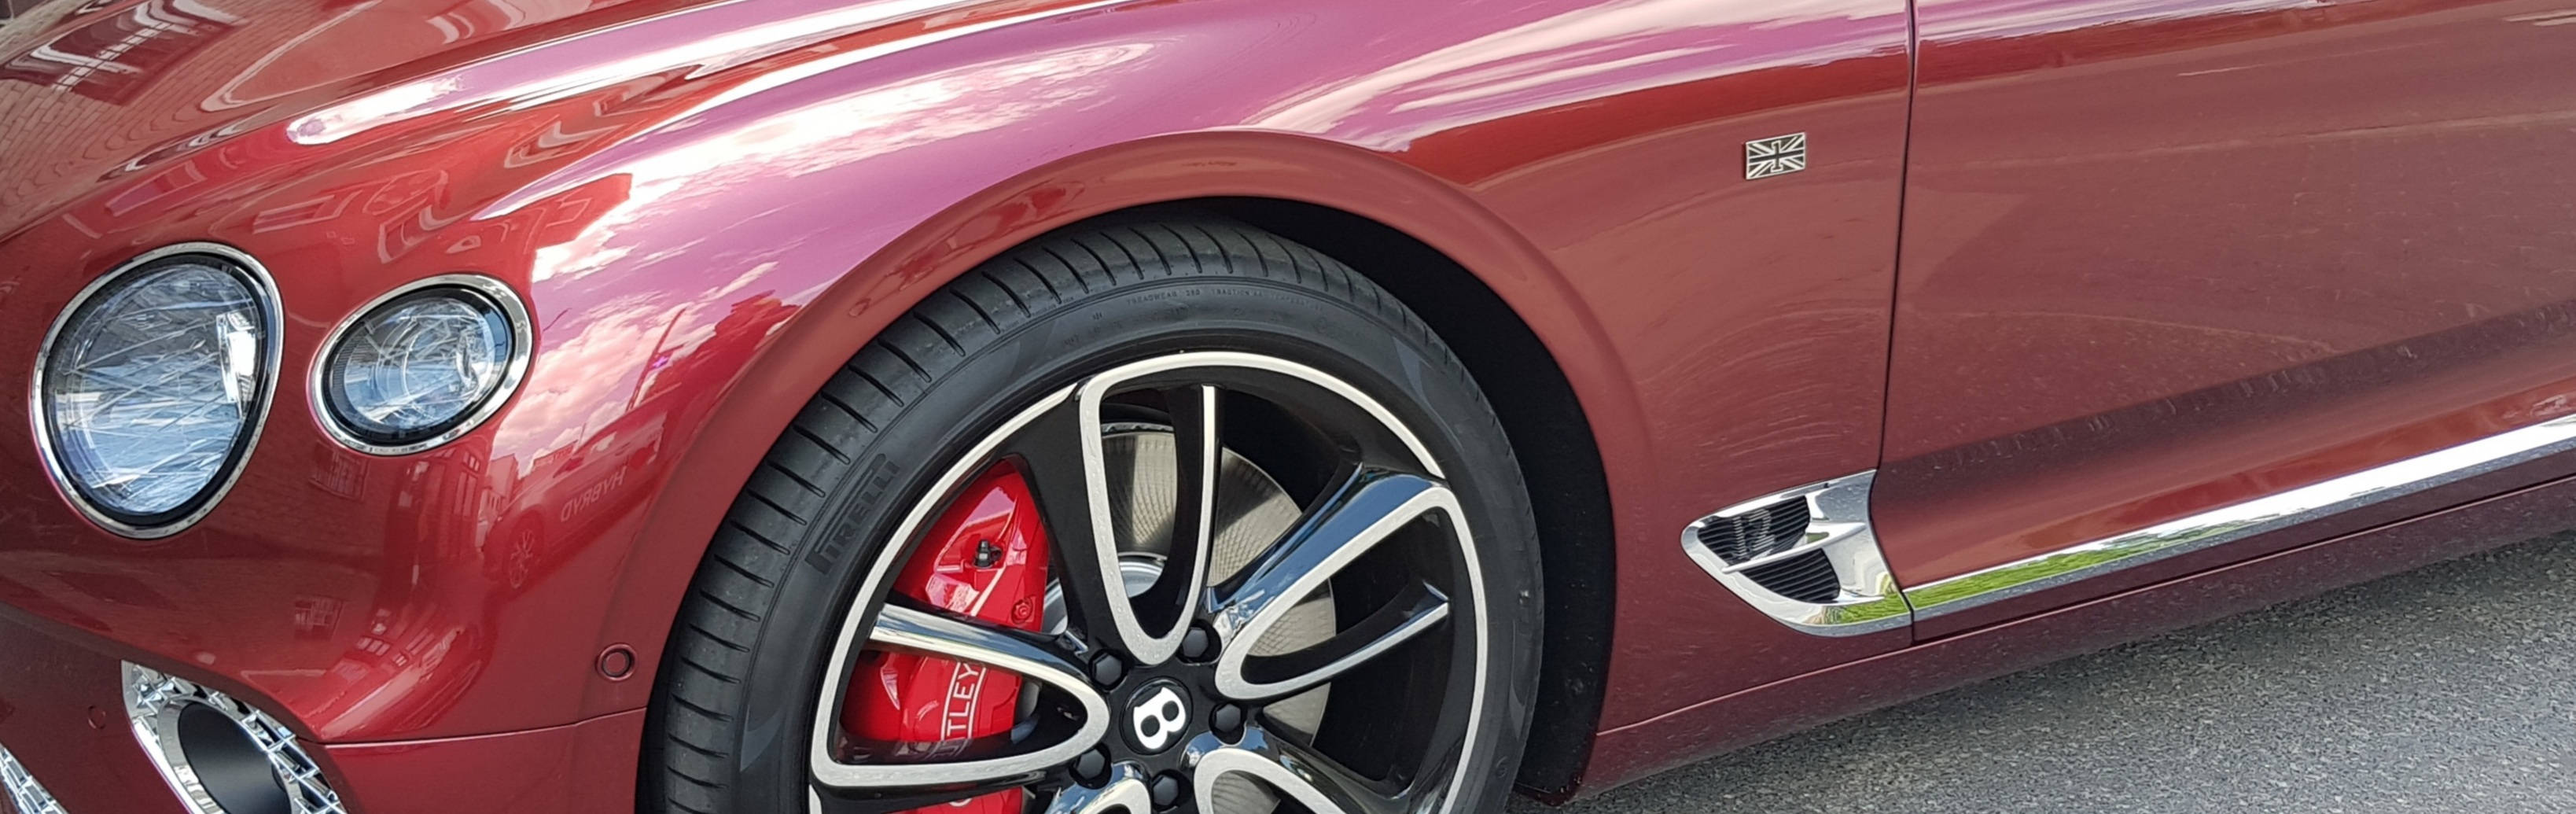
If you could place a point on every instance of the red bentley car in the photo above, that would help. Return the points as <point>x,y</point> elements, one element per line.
<point>1219,406</point>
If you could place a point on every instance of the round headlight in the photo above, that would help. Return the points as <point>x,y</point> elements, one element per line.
<point>424,364</point>
<point>152,385</point>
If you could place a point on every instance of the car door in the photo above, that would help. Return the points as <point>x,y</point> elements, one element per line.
<point>2184,282</point>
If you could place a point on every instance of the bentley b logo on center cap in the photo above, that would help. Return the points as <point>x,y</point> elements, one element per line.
<point>1158,719</point>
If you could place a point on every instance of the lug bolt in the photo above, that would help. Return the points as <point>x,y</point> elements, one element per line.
<point>1167,790</point>
<point>1197,644</point>
<point>1107,670</point>
<point>1092,766</point>
<point>1228,720</point>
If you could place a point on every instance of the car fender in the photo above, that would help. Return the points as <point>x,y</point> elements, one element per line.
<point>776,381</point>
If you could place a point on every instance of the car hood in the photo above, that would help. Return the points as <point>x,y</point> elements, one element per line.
<point>94,93</point>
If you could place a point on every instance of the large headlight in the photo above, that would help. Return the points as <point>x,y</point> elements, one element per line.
<point>152,384</point>
<point>422,365</point>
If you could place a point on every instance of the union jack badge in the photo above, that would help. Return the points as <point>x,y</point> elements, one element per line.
<point>1777,155</point>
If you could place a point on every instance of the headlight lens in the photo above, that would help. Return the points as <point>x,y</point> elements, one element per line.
<point>419,366</point>
<point>152,385</point>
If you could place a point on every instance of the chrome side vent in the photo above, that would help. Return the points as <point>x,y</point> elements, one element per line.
<point>1764,530</point>
<point>1808,577</point>
<point>1805,556</point>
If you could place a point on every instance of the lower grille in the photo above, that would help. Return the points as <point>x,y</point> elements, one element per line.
<point>20,790</point>
<point>221,755</point>
<point>1808,577</point>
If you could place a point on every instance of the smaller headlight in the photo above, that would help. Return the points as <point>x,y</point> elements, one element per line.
<point>423,365</point>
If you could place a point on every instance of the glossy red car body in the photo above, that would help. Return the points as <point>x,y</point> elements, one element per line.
<point>2156,257</point>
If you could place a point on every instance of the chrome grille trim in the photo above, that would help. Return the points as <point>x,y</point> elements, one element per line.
<point>24,794</point>
<point>153,701</point>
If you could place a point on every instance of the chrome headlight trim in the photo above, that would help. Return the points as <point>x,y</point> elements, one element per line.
<point>263,288</point>
<point>19,788</point>
<point>153,701</point>
<point>522,345</point>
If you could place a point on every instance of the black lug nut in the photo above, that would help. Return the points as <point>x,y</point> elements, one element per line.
<point>1107,670</point>
<point>1167,790</point>
<point>1092,766</point>
<point>1197,644</point>
<point>1228,719</point>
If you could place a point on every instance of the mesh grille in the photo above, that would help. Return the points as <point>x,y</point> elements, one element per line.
<point>1766,530</point>
<point>1807,577</point>
<point>152,697</point>
<point>20,791</point>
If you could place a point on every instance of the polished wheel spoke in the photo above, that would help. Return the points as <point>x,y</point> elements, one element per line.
<point>1320,784</point>
<point>1417,610</point>
<point>1017,758</point>
<point>1032,655</point>
<point>1197,449</point>
<point>1125,791</point>
<point>1062,455</point>
<point>1370,506</point>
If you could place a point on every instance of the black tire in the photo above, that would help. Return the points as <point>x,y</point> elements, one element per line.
<point>738,683</point>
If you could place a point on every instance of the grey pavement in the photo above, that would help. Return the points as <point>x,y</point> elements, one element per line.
<point>2448,689</point>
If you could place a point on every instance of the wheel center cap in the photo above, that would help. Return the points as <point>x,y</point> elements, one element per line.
<point>1157,716</point>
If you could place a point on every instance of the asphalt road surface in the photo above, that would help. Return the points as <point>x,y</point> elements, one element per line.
<point>2449,689</point>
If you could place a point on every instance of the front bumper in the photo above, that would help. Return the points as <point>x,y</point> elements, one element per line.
<point>62,715</point>
<point>20,789</point>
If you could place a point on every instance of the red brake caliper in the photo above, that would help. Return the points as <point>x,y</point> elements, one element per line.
<point>986,558</point>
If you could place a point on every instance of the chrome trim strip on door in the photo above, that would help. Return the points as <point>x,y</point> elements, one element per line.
<point>2242,520</point>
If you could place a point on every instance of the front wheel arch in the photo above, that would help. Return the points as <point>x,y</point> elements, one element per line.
<point>1403,228</point>
<point>1048,312</point>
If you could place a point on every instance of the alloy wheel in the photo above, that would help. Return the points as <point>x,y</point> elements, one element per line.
<point>1184,669</point>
